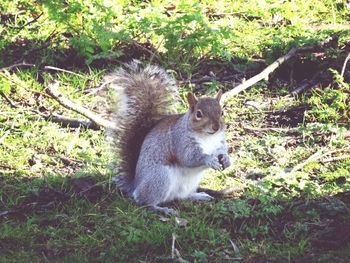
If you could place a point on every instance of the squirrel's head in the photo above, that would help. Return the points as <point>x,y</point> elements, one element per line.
<point>206,115</point>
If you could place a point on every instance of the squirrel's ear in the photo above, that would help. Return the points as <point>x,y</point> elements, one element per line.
<point>192,100</point>
<point>218,96</point>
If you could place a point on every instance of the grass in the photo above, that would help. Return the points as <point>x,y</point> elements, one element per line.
<point>57,200</point>
<point>273,216</point>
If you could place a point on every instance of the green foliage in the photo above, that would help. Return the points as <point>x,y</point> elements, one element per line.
<point>177,31</point>
<point>331,104</point>
<point>274,216</point>
<point>5,85</point>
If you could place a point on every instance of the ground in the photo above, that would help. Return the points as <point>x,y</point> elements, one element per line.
<point>289,198</point>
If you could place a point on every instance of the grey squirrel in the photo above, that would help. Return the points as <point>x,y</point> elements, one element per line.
<point>163,155</point>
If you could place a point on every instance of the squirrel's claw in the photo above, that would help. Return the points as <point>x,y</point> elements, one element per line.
<point>214,163</point>
<point>224,160</point>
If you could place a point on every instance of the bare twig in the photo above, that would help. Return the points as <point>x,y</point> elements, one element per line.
<point>3,137</point>
<point>157,48</point>
<point>23,64</point>
<point>313,157</point>
<point>173,246</point>
<point>5,213</point>
<point>64,70</point>
<point>71,122</point>
<point>73,141</point>
<point>336,158</point>
<point>234,246</point>
<point>238,14</point>
<point>346,149</point>
<point>99,88</point>
<point>4,96</point>
<point>256,112</point>
<point>210,78</point>
<point>307,84</point>
<point>36,49</point>
<point>262,75</point>
<point>271,68</point>
<point>69,161</point>
<point>46,43</point>
<point>7,167</point>
<point>344,65</point>
<point>319,155</point>
<point>267,129</point>
<point>153,54</point>
<point>52,90</point>
<point>61,120</point>
<point>28,23</point>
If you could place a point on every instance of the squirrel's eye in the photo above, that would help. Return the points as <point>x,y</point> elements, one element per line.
<point>199,114</point>
<point>222,113</point>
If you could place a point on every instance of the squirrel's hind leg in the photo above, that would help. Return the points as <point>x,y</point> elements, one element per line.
<point>154,187</point>
<point>163,210</point>
<point>201,196</point>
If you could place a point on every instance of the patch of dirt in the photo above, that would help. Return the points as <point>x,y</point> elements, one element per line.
<point>325,219</point>
<point>10,243</point>
<point>334,236</point>
<point>298,71</point>
<point>55,222</point>
<point>291,117</point>
<point>86,187</point>
<point>48,198</point>
<point>46,195</point>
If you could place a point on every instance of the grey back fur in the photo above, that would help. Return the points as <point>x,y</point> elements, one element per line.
<point>145,94</point>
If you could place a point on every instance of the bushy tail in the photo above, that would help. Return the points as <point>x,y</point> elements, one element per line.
<point>145,95</point>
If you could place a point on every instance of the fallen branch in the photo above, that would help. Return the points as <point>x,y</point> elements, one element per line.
<point>4,96</point>
<point>269,129</point>
<point>344,65</point>
<point>209,78</point>
<point>93,91</point>
<point>336,158</point>
<point>237,14</point>
<point>44,200</point>
<point>313,157</point>
<point>28,23</point>
<point>66,122</point>
<point>308,84</point>
<point>150,52</point>
<point>63,70</point>
<point>52,90</point>
<point>17,65</point>
<point>173,246</point>
<point>156,51</point>
<point>69,161</point>
<point>71,122</point>
<point>256,112</point>
<point>37,48</point>
<point>271,68</point>
<point>319,155</point>
<point>61,120</point>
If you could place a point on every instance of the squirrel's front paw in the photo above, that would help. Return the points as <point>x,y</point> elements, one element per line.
<point>224,160</point>
<point>213,162</point>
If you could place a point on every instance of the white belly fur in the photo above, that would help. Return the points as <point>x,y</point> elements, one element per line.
<point>184,181</point>
<point>210,143</point>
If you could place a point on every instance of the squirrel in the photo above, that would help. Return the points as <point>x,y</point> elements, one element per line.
<point>162,155</point>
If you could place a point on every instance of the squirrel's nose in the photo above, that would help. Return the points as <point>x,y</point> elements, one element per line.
<point>215,127</point>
